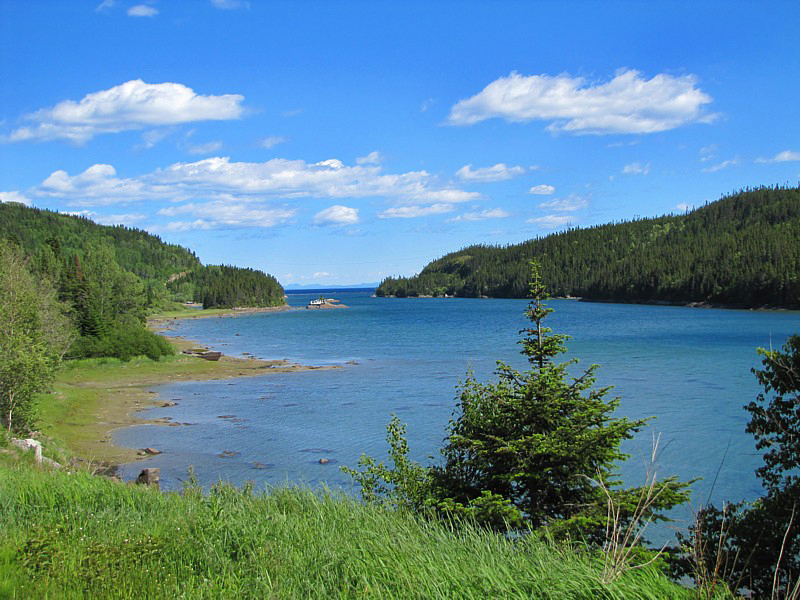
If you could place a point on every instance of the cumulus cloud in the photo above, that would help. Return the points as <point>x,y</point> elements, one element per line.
<point>491,213</point>
<point>636,169</point>
<point>785,156</point>
<point>224,213</point>
<point>551,221</point>
<point>142,10</point>
<point>131,105</point>
<point>626,104</point>
<point>373,158</point>
<point>569,204</point>
<point>272,141</point>
<point>410,212</point>
<point>275,178</point>
<point>14,197</point>
<point>542,190</point>
<point>498,172</point>
<point>720,166</point>
<point>337,215</point>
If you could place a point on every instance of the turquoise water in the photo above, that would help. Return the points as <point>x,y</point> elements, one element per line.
<point>688,367</point>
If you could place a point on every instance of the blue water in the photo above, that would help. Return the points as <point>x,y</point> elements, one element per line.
<point>688,367</point>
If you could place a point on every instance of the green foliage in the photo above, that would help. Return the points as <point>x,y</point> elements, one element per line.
<point>34,334</point>
<point>222,286</point>
<point>76,536</point>
<point>775,422</point>
<point>741,250</point>
<point>48,237</point>
<point>756,545</point>
<point>531,447</point>
<point>123,341</point>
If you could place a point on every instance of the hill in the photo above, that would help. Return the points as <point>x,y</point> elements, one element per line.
<point>741,250</point>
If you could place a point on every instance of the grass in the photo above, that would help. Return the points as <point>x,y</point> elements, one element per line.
<point>79,536</point>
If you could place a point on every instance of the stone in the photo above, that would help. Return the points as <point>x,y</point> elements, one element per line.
<point>151,451</point>
<point>30,444</point>
<point>149,476</point>
<point>324,461</point>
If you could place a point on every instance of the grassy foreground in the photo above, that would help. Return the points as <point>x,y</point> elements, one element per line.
<point>66,536</point>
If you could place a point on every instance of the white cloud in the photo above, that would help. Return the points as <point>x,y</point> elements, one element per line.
<point>131,105</point>
<point>320,274</point>
<point>337,215</point>
<point>491,213</point>
<point>569,204</point>
<point>683,207</point>
<point>785,156</point>
<point>142,10</point>
<point>278,178</point>
<point>224,213</point>
<point>373,158</point>
<point>99,185</point>
<point>272,141</point>
<point>542,190</point>
<point>498,172</point>
<point>410,212</point>
<point>14,197</point>
<point>551,221</point>
<point>207,148</point>
<point>626,104</point>
<point>636,169</point>
<point>723,165</point>
<point>105,5</point>
<point>230,4</point>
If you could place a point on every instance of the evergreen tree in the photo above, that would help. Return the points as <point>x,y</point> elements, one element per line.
<point>536,447</point>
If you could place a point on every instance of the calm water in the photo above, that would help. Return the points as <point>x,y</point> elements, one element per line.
<point>690,368</point>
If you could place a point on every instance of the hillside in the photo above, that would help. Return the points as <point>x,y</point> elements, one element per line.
<point>135,250</point>
<point>168,272</point>
<point>741,250</point>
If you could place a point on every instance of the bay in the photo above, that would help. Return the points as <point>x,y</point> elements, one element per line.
<point>688,367</point>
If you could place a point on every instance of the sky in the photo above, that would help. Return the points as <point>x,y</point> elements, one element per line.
<point>342,142</point>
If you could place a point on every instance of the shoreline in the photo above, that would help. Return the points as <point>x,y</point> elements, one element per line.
<point>93,398</point>
<point>683,303</point>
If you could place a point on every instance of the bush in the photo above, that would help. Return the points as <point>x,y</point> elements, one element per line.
<point>124,341</point>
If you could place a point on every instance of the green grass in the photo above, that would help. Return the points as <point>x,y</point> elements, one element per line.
<point>77,536</point>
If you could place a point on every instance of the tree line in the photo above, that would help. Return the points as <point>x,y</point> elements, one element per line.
<point>741,250</point>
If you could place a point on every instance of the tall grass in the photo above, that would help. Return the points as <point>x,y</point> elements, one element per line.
<point>78,536</point>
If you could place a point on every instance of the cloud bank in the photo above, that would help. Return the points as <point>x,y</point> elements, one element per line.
<point>132,105</point>
<point>626,104</point>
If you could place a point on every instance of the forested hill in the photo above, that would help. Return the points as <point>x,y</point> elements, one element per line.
<point>743,250</point>
<point>137,251</point>
<point>58,246</point>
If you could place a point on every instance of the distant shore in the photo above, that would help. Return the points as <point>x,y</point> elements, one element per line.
<point>606,301</point>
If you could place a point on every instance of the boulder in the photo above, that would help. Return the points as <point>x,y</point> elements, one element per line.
<point>151,451</point>
<point>150,476</point>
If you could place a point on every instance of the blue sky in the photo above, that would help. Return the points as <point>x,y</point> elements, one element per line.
<point>341,142</point>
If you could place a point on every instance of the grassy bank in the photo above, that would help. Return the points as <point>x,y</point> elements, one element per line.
<point>93,397</point>
<point>78,536</point>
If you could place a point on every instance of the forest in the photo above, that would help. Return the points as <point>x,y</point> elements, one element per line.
<point>105,280</point>
<point>740,251</point>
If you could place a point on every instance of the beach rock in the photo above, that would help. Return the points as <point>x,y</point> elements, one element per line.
<point>30,444</point>
<point>150,476</point>
<point>228,454</point>
<point>151,451</point>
